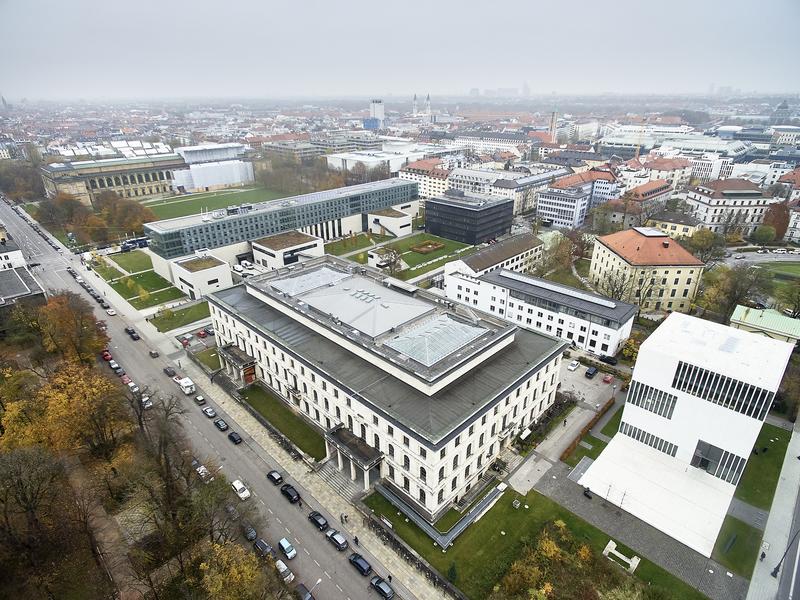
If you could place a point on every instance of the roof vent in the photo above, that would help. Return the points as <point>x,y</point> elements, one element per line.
<point>665,243</point>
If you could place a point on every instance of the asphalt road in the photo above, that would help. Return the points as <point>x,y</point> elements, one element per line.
<point>316,558</point>
<point>756,258</point>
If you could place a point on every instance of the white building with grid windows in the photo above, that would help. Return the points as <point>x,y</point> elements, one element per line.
<point>408,388</point>
<point>698,397</point>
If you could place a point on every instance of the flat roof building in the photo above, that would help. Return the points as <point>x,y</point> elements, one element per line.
<point>697,401</point>
<point>468,218</point>
<point>435,390</point>
<point>768,322</point>
<point>182,235</point>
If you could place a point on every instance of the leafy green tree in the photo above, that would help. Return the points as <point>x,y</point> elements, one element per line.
<point>725,287</point>
<point>789,297</point>
<point>706,245</point>
<point>764,234</point>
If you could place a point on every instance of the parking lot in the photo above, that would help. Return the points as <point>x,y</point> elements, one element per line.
<point>593,391</point>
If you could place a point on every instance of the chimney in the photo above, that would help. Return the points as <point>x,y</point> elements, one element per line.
<point>665,243</point>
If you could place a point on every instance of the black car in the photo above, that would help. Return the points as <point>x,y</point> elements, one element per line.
<point>129,330</point>
<point>262,548</point>
<point>119,371</point>
<point>380,585</point>
<point>590,372</point>
<point>169,371</point>
<point>275,477</point>
<point>220,424</point>
<point>361,565</point>
<point>99,299</point>
<point>135,336</point>
<point>318,520</point>
<point>249,532</point>
<point>609,360</point>
<point>105,305</point>
<point>301,592</point>
<point>290,493</point>
<point>235,437</point>
<point>209,330</point>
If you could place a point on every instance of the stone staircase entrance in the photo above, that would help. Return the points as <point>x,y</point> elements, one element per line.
<point>339,481</point>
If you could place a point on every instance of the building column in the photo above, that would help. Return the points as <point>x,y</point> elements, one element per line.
<point>366,479</point>
<point>352,470</point>
<point>339,458</point>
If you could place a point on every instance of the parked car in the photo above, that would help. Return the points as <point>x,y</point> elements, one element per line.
<point>738,257</point>
<point>275,477</point>
<point>105,305</point>
<point>360,564</point>
<point>573,365</point>
<point>337,539</point>
<point>762,251</point>
<point>129,330</point>
<point>202,333</point>
<point>209,330</point>
<point>287,549</point>
<point>607,378</point>
<point>154,354</point>
<point>609,360</point>
<point>146,402</point>
<point>126,380</point>
<point>111,312</point>
<point>112,364</point>
<point>204,474</point>
<point>209,412</point>
<point>590,372</point>
<point>779,251</point>
<point>220,424</point>
<point>318,520</point>
<point>235,438</point>
<point>169,371</point>
<point>249,532</point>
<point>119,371</point>
<point>231,511</point>
<point>135,336</point>
<point>290,493</point>
<point>133,387</point>
<point>199,400</point>
<point>238,268</point>
<point>262,548</point>
<point>380,585</point>
<point>284,571</point>
<point>301,591</point>
<point>106,355</point>
<point>240,489</point>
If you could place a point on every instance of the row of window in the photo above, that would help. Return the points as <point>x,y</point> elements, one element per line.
<point>730,393</point>
<point>651,399</point>
<point>648,438</point>
<point>718,462</point>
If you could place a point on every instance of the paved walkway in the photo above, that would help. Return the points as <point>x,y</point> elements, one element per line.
<point>700,572</point>
<point>779,525</point>
<point>748,513</point>
<point>108,536</point>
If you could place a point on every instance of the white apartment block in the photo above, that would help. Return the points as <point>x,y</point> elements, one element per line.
<point>287,248</point>
<point>698,398</point>
<point>588,321</point>
<point>565,207</point>
<point>520,253</point>
<point>11,256</point>
<point>407,387</point>
<point>728,205</point>
<point>488,142</point>
<point>430,176</point>
<point>793,232</point>
<point>711,166</point>
<point>677,171</point>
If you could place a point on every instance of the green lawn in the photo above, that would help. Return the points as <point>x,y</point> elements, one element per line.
<point>348,244</point>
<point>737,546</point>
<point>133,261</point>
<point>565,277</point>
<point>106,271</point>
<point>303,435</point>
<point>149,280</point>
<point>597,446</point>
<point>760,477</point>
<point>484,552</point>
<point>180,206</point>
<point>156,298</point>
<point>411,273</point>
<point>413,259</point>
<point>179,318</point>
<point>783,272</point>
<point>612,426</point>
<point>210,358</point>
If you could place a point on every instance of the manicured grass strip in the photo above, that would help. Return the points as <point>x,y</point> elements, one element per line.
<point>133,261</point>
<point>149,280</point>
<point>156,298</point>
<point>303,435</point>
<point>597,446</point>
<point>737,546</point>
<point>172,319</point>
<point>582,267</point>
<point>413,259</point>
<point>760,477</point>
<point>210,358</point>
<point>612,426</point>
<point>411,273</point>
<point>106,271</point>
<point>487,548</point>
<point>565,277</point>
<point>180,206</point>
<point>348,244</point>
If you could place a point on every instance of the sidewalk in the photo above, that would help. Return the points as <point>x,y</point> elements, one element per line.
<point>779,526</point>
<point>409,582</point>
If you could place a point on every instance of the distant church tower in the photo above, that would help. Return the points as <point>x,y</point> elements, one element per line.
<point>428,105</point>
<point>414,107</point>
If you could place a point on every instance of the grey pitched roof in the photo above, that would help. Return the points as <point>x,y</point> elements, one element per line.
<point>494,254</point>
<point>675,217</point>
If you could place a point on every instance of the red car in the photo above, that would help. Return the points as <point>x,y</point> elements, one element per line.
<point>201,333</point>
<point>185,343</point>
<point>106,355</point>
<point>126,380</point>
<point>608,379</point>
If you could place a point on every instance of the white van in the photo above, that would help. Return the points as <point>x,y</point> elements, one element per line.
<point>238,268</point>
<point>247,264</point>
<point>284,571</point>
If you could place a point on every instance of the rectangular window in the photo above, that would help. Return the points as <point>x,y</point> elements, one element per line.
<point>648,439</point>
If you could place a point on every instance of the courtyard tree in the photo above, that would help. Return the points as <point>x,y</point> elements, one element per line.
<point>777,216</point>
<point>725,287</point>
<point>230,572</point>
<point>764,234</point>
<point>706,245</point>
<point>789,297</point>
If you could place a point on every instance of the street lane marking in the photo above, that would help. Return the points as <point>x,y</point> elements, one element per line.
<point>307,552</point>
<point>338,588</point>
<point>315,560</point>
<point>326,574</point>
<point>287,530</point>
<point>270,511</point>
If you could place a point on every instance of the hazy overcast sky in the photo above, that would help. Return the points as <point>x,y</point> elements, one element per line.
<point>236,48</point>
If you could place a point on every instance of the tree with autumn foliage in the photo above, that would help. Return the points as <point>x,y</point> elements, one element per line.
<point>230,572</point>
<point>777,216</point>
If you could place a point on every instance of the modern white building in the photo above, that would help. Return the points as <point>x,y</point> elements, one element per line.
<point>199,275</point>
<point>421,393</point>
<point>698,398</point>
<point>212,167</point>
<point>709,167</point>
<point>11,256</point>
<point>588,321</point>
<point>566,207</point>
<point>430,175</point>
<point>287,248</point>
<point>487,142</point>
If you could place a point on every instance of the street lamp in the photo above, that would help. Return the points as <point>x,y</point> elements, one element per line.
<point>777,568</point>
<point>315,585</point>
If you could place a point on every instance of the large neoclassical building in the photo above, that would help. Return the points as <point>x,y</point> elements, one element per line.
<point>406,386</point>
